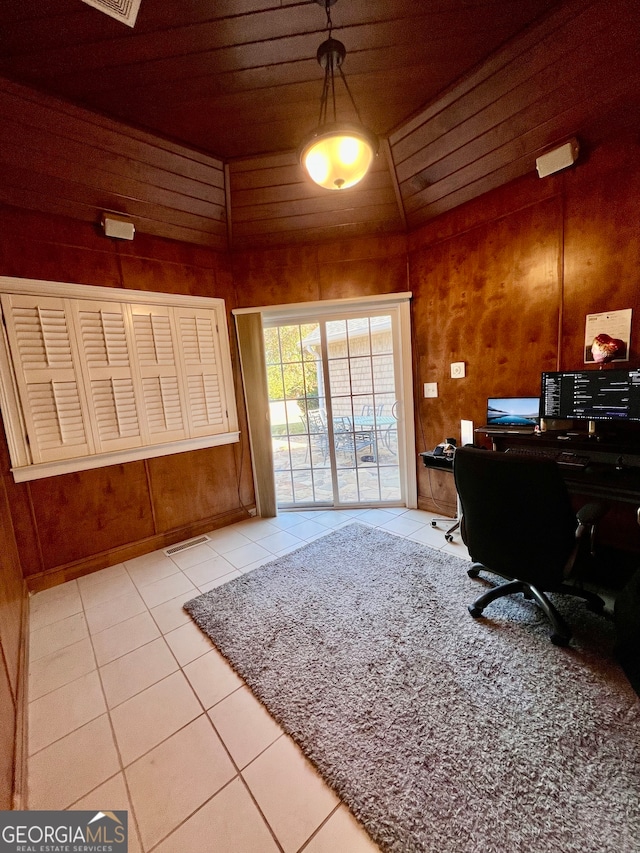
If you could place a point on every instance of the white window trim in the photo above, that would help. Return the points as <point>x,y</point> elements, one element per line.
<point>23,468</point>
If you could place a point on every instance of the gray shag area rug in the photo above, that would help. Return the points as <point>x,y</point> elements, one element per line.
<point>441,733</point>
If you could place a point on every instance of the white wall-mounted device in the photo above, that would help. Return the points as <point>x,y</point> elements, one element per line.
<point>118,227</point>
<point>558,159</point>
<point>466,432</point>
<point>458,370</point>
<point>430,389</point>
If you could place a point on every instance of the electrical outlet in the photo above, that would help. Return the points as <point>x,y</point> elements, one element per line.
<point>457,370</point>
<point>430,389</point>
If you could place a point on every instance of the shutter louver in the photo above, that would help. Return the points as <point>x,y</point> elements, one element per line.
<point>155,351</point>
<point>42,353</point>
<point>198,334</point>
<point>108,366</point>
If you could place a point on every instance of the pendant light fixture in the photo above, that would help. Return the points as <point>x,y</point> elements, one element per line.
<point>337,155</point>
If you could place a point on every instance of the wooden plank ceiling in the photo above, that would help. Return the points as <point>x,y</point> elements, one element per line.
<point>189,121</point>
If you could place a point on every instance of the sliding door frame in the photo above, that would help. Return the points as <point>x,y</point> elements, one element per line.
<point>254,379</point>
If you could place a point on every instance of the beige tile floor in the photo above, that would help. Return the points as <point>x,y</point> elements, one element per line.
<point>131,707</point>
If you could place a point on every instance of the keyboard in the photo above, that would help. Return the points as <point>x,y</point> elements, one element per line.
<point>562,457</point>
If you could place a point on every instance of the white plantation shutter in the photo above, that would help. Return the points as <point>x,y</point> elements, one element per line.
<point>204,379</point>
<point>45,369</point>
<point>106,363</point>
<point>162,400</point>
<point>93,376</point>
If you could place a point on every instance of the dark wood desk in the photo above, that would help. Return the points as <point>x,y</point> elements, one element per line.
<point>612,471</point>
<point>612,474</point>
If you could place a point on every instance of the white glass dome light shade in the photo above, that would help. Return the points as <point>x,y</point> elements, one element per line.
<point>338,156</point>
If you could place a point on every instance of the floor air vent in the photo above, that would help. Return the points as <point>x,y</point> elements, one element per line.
<point>184,545</point>
<point>125,11</point>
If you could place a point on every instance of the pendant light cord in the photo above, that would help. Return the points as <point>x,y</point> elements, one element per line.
<point>329,78</point>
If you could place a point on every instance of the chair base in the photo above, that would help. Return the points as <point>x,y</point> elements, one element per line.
<point>448,533</point>
<point>560,632</point>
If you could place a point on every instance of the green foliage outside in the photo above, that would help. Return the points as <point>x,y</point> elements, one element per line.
<point>291,365</point>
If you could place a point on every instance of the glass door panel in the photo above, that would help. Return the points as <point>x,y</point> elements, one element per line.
<point>332,393</point>
<point>362,380</point>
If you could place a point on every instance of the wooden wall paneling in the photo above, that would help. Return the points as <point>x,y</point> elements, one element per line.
<point>155,275</point>
<point>26,257</point>
<point>18,529</point>
<point>92,511</point>
<point>83,126</point>
<point>485,156</point>
<point>12,596</point>
<point>195,486</point>
<point>274,203</point>
<point>54,149</point>
<point>275,276</point>
<point>8,727</point>
<point>363,276</point>
<point>13,652</point>
<point>515,108</point>
<point>490,297</point>
<point>359,266</point>
<point>496,77</point>
<point>602,245</point>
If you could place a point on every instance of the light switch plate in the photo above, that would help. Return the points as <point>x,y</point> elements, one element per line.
<point>430,389</point>
<point>457,370</point>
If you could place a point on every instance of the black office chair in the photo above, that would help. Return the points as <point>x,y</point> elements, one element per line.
<point>518,523</point>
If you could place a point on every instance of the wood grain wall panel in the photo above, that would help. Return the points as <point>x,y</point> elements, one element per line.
<point>7,738</point>
<point>602,244</point>
<point>62,155</point>
<point>489,296</point>
<point>274,203</point>
<point>20,532</point>
<point>193,487</point>
<point>345,268</point>
<point>275,276</point>
<point>12,595</point>
<point>13,611</point>
<point>89,512</point>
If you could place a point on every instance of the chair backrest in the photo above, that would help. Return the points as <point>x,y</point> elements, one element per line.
<point>518,520</point>
<point>316,420</point>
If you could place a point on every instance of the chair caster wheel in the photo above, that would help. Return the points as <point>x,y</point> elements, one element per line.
<point>473,573</point>
<point>448,537</point>
<point>474,611</point>
<point>559,639</point>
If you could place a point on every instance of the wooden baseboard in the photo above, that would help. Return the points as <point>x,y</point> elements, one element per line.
<point>21,751</point>
<point>95,562</point>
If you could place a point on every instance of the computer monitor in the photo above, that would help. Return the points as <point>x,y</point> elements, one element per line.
<point>512,411</point>
<point>591,395</point>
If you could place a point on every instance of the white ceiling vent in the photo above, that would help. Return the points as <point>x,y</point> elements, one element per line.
<point>122,10</point>
<point>184,545</point>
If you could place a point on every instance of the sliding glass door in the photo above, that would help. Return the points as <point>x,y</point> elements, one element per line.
<point>334,391</point>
